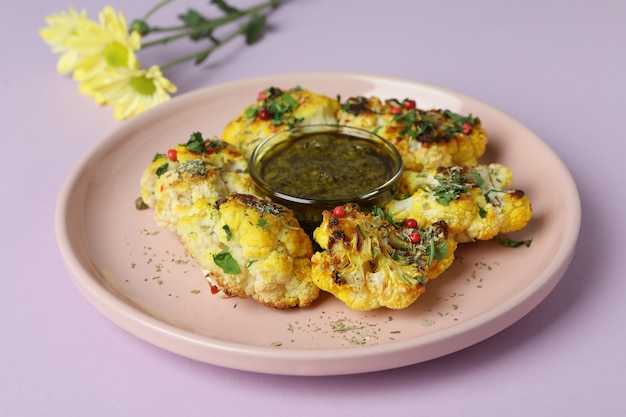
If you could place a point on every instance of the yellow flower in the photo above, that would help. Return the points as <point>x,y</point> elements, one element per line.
<point>104,45</point>
<point>132,91</point>
<point>61,27</point>
<point>102,55</point>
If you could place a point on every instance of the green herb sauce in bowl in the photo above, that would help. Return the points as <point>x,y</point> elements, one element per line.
<point>317,167</point>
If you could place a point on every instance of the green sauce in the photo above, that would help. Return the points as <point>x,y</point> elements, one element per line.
<point>327,166</point>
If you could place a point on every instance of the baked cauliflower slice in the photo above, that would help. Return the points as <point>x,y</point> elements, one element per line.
<point>368,263</point>
<point>424,138</point>
<point>198,169</point>
<point>250,247</point>
<point>473,201</point>
<point>276,110</point>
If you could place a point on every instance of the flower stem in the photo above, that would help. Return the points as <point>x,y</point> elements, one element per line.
<point>204,52</point>
<point>156,8</point>
<point>190,30</point>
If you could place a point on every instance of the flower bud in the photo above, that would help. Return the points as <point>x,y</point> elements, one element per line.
<point>140,26</point>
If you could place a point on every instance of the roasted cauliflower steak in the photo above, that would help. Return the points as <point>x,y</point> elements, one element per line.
<point>198,169</point>
<point>368,263</point>
<point>250,247</point>
<point>474,201</point>
<point>424,138</point>
<point>276,110</point>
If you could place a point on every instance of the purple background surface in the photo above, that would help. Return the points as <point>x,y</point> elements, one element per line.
<point>556,66</point>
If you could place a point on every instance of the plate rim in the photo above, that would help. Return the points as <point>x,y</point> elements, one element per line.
<point>294,361</point>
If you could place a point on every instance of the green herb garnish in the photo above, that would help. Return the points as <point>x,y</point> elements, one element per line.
<point>414,122</point>
<point>262,223</point>
<point>225,260</point>
<point>140,204</point>
<point>277,107</point>
<point>281,110</point>
<point>482,212</point>
<point>514,243</point>
<point>229,234</point>
<point>195,143</point>
<point>162,169</point>
<point>458,121</point>
<point>449,188</point>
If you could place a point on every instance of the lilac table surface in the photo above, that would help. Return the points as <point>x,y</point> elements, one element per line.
<point>556,66</point>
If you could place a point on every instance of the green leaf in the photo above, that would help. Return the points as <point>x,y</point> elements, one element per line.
<point>458,121</point>
<point>195,143</point>
<point>201,57</point>
<point>482,212</point>
<point>254,29</point>
<point>224,7</point>
<point>280,106</point>
<point>252,112</point>
<point>377,212</point>
<point>193,19</point>
<point>292,103</point>
<point>140,204</point>
<point>514,243</point>
<point>395,223</point>
<point>450,187</point>
<point>480,181</point>
<point>414,123</point>
<point>162,169</point>
<point>441,250</point>
<point>262,223</point>
<point>225,260</point>
<point>229,234</point>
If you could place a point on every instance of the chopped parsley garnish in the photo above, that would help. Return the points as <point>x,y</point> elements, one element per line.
<point>514,243</point>
<point>379,213</point>
<point>252,112</point>
<point>229,234</point>
<point>225,260</point>
<point>414,122</point>
<point>420,280</point>
<point>450,187</point>
<point>479,180</point>
<point>140,204</point>
<point>162,169</point>
<point>277,106</point>
<point>437,249</point>
<point>482,212</point>
<point>262,223</point>
<point>457,121</point>
<point>196,143</point>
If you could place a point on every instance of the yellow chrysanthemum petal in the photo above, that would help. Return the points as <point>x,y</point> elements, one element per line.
<point>132,91</point>
<point>62,27</point>
<point>107,44</point>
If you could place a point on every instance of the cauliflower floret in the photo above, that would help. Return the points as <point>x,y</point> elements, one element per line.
<point>368,263</point>
<point>276,110</point>
<point>250,247</point>
<point>192,171</point>
<point>473,201</point>
<point>367,113</point>
<point>424,138</point>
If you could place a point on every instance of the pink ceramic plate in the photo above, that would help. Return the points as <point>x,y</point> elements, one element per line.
<point>139,276</point>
